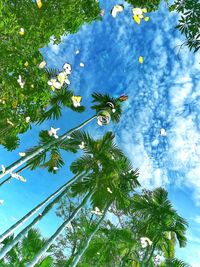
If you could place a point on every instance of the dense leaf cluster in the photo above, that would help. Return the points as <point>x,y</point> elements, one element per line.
<point>189,22</point>
<point>20,55</point>
<point>151,5</point>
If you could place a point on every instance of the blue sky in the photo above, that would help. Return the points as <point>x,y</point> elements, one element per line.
<point>164,92</point>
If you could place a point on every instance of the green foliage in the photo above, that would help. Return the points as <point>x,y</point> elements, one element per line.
<point>50,158</point>
<point>189,22</point>
<point>151,5</point>
<point>102,103</point>
<point>175,263</point>
<point>112,246</point>
<point>25,250</point>
<point>106,167</point>
<point>20,55</point>
<point>155,218</point>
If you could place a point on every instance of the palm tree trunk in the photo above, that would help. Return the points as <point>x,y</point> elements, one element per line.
<point>58,232</point>
<point>38,207</point>
<point>143,263</point>
<point>38,151</point>
<point>10,177</point>
<point>87,243</point>
<point>22,234</point>
<point>151,254</point>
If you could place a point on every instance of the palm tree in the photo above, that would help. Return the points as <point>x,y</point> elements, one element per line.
<point>109,170</point>
<point>97,149</point>
<point>25,250</point>
<point>106,108</point>
<point>155,218</point>
<point>111,185</point>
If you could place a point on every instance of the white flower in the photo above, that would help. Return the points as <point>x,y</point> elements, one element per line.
<point>3,169</point>
<point>22,154</point>
<point>53,132</point>
<point>82,65</point>
<point>116,9</point>
<point>76,101</point>
<point>17,176</point>
<point>54,84</point>
<point>145,242</point>
<point>137,11</point>
<point>28,119</point>
<point>109,190</point>
<point>1,201</point>
<point>20,82</point>
<point>77,52</point>
<point>67,68</point>
<point>42,64</point>
<point>21,32</point>
<point>55,168</point>
<point>96,211</point>
<point>63,78</point>
<point>163,132</point>
<point>138,14</point>
<point>102,12</point>
<point>82,145</point>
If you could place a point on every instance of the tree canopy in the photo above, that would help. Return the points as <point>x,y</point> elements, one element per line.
<point>25,96</point>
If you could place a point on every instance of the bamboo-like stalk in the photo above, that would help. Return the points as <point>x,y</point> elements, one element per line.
<point>57,233</point>
<point>38,207</point>
<point>30,156</point>
<point>23,233</point>
<point>87,243</point>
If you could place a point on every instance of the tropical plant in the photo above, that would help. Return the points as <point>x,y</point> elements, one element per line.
<point>100,150</point>
<point>189,22</point>
<point>150,5</point>
<point>112,246</point>
<point>110,179</point>
<point>155,218</point>
<point>25,96</point>
<point>25,250</point>
<point>106,107</point>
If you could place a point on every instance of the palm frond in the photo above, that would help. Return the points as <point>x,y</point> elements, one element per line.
<point>51,72</point>
<point>102,103</point>
<point>176,263</point>
<point>55,162</point>
<point>81,164</point>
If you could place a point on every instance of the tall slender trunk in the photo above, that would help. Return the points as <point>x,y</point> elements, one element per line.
<point>87,243</point>
<point>10,177</point>
<point>38,207</point>
<point>57,233</point>
<point>30,156</point>
<point>143,263</point>
<point>22,234</point>
<point>151,254</point>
